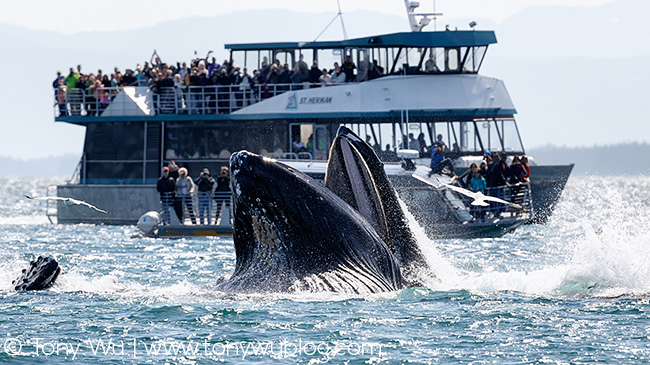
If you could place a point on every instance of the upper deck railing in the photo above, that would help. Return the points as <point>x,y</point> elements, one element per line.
<point>189,100</point>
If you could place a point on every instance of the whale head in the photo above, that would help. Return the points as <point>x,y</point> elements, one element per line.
<point>292,233</point>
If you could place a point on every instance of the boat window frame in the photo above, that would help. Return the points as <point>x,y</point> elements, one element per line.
<point>482,58</point>
<point>395,59</point>
<point>462,64</point>
<point>477,136</point>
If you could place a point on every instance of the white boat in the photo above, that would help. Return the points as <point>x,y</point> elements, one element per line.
<point>430,85</point>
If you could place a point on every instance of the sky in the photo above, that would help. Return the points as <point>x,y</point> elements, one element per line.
<point>76,16</point>
<point>73,16</point>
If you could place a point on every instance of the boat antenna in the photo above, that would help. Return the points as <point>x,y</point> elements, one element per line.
<point>153,57</point>
<point>338,15</point>
<point>435,17</point>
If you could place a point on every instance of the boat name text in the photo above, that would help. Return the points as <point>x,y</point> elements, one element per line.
<point>316,100</point>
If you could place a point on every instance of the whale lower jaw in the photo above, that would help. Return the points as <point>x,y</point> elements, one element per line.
<point>343,280</point>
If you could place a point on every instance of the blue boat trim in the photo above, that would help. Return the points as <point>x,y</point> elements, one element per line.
<point>470,113</point>
<point>461,38</point>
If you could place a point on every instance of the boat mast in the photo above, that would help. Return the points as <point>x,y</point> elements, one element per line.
<point>338,15</point>
<point>419,20</point>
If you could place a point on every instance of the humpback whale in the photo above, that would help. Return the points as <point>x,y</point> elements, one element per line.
<point>291,233</point>
<point>41,274</point>
<point>356,174</point>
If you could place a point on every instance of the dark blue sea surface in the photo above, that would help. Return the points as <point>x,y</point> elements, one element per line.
<point>576,290</point>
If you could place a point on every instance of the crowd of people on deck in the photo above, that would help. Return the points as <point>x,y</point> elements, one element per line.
<point>201,86</point>
<point>177,189</point>
<point>491,177</point>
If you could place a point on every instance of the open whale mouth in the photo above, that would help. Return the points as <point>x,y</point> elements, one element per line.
<point>290,231</point>
<point>356,174</point>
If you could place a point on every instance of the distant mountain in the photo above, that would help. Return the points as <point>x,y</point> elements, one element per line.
<point>50,166</point>
<point>617,159</point>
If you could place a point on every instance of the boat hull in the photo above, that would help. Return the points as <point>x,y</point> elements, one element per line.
<point>547,184</point>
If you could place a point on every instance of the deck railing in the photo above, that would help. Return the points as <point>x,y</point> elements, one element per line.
<point>515,193</point>
<point>184,100</point>
<point>198,208</point>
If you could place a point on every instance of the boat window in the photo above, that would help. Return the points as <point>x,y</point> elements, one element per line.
<point>113,154</point>
<point>251,60</point>
<point>398,60</point>
<point>463,133</point>
<point>217,142</point>
<point>415,60</point>
<point>499,135</point>
<point>433,60</point>
<point>336,56</point>
<point>479,53</point>
<point>471,58</point>
<point>322,139</point>
<point>284,57</point>
<point>363,65</point>
<point>489,135</point>
<point>114,141</point>
<point>511,139</point>
<point>451,59</point>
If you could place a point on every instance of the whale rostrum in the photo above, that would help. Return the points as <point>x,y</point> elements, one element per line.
<point>40,275</point>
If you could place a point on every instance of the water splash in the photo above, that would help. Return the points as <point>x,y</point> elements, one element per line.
<point>596,244</point>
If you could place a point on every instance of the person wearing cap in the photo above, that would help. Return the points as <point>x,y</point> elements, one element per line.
<point>205,186</point>
<point>439,161</point>
<point>166,187</point>
<point>486,166</point>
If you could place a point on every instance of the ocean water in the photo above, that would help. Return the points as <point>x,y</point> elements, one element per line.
<point>576,290</point>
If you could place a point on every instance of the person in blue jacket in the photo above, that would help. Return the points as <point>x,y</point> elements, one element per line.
<point>439,161</point>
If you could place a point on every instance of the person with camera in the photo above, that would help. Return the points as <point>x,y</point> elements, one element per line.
<point>205,185</point>
<point>222,192</point>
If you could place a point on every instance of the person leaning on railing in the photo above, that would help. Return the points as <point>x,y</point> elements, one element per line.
<point>499,177</point>
<point>524,163</point>
<point>59,92</point>
<point>517,178</point>
<point>166,187</point>
<point>476,183</point>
